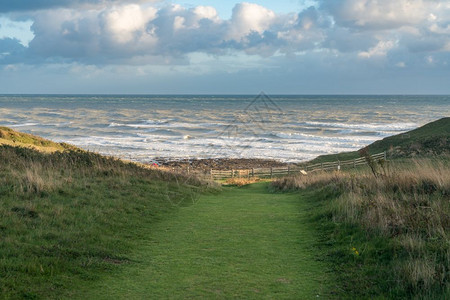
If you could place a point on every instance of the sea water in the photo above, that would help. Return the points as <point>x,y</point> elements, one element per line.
<point>286,128</point>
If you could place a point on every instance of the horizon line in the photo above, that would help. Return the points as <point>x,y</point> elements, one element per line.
<point>218,94</point>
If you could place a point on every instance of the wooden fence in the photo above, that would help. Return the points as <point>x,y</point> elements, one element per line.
<point>292,169</point>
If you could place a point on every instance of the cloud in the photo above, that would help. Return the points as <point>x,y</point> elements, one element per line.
<point>32,5</point>
<point>123,33</point>
<point>12,49</point>
<point>379,50</point>
<point>128,23</point>
<point>307,31</point>
<point>345,40</point>
<point>182,31</point>
<point>112,46</point>
<point>93,36</point>
<point>374,29</point>
<point>248,18</point>
<point>10,46</point>
<point>378,14</point>
<point>144,34</point>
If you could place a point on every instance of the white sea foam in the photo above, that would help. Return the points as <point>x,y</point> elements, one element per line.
<point>23,125</point>
<point>366,126</point>
<point>246,147</point>
<point>322,139</point>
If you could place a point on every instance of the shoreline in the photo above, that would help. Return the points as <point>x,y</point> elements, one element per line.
<point>206,164</point>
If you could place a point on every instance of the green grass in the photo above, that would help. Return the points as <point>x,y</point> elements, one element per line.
<point>362,261</point>
<point>244,243</point>
<point>69,218</point>
<point>432,138</point>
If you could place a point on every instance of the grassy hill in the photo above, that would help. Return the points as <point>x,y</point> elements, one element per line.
<point>432,138</point>
<point>20,139</point>
<point>67,216</point>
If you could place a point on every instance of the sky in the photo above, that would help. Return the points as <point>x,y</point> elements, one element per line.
<point>225,47</point>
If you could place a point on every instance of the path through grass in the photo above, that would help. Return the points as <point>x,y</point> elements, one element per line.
<point>242,243</point>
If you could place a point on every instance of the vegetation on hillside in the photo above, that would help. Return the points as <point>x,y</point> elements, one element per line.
<point>430,139</point>
<point>20,139</point>
<point>387,229</point>
<point>65,217</point>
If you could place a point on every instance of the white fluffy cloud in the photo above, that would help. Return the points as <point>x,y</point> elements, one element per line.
<point>128,22</point>
<point>249,17</point>
<point>114,33</point>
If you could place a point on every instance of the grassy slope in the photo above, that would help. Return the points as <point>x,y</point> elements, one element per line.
<point>433,137</point>
<point>365,274</point>
<point>67,218</point>
<point>20,139</point>
<point>397,222</point>
<point>244,243</point>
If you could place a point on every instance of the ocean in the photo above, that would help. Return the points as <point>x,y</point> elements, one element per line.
<point>286,128</point>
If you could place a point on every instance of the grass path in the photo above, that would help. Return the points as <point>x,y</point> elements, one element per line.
<point>243,243</point>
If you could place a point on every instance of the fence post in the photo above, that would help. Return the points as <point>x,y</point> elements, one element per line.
<point>253,172</point>
<point>354,163</point>
<point>212,176</point>
<point>271,172</point>
<point>385,156</point>
<point>288,170</point>
<point>232,173</point>
<point>321,166</point>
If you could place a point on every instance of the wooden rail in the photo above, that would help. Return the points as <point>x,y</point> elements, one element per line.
<point>292,169</point>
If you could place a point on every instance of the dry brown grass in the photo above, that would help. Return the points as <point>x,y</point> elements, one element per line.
<point>25,171</point>
<point>300,181</point>
<point>409,203</point>
<point>19,139</point>
<point>241,181</point>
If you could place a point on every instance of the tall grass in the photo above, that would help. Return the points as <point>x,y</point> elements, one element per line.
<point>68,217</point>
<point>408,204</point>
